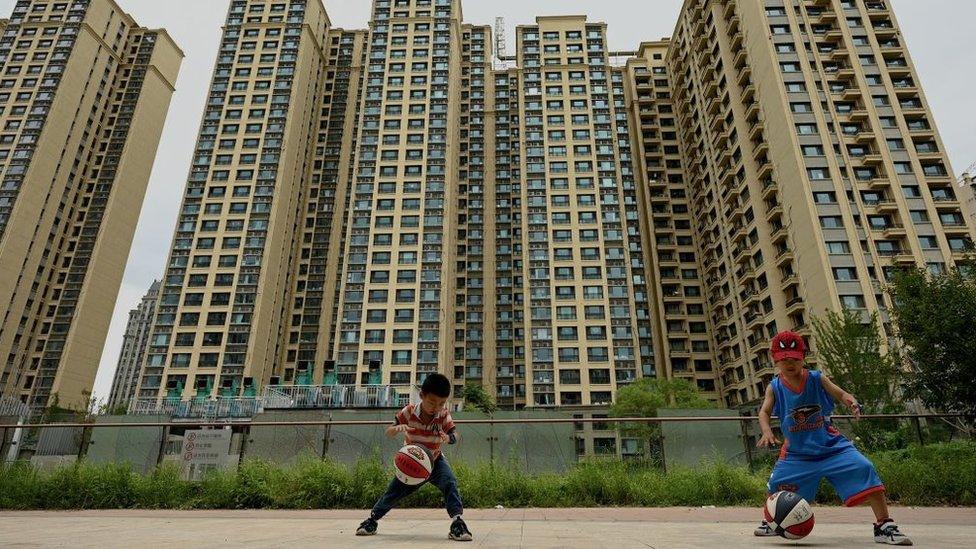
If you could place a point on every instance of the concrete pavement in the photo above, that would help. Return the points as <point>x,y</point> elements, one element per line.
<point>726,528</point>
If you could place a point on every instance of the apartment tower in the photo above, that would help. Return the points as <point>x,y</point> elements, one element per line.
<point>132,357</point>
<point>814,168</point>
<point>367,207</point>
<point>84,91</point>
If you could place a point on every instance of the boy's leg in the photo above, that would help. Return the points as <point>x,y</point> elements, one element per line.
<point>442,476</point>
<point>799,476</point>
<point>394,493</point>
<point>857,482</point>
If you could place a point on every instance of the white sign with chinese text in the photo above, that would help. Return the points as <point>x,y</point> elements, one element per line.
<point>203,451</point>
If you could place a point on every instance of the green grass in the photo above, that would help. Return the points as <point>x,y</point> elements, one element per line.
<point>942,474</point>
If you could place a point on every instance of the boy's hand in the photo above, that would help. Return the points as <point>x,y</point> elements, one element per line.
<point>444,436</point>
<point>851,402</point>
<point>401,428</point>
<point>768,440</point>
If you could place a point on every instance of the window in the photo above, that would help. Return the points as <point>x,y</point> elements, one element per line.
<point>825,198</point>
<point>818,174</point>
<point>903,168</point>
<point>806,129</point>
<point>831,222</point>
<point>813,150</point>
<point>789,67</point>
<point>597,354</point>
<point>568,354</point>
<point>845,273</point>
<point>852,301</point>
<point>838,248</point>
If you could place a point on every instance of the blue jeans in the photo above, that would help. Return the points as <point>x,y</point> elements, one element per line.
<point>441,476</point>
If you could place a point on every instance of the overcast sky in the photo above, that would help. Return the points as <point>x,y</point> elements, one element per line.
<point>938,32</point>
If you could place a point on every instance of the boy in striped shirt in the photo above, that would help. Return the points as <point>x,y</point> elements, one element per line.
<point>428,424</point>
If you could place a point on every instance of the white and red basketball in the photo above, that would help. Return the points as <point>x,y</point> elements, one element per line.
<point>789,515</point>
<point>413,464</point>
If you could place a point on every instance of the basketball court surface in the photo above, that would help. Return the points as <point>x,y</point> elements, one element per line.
<point>604,528</point>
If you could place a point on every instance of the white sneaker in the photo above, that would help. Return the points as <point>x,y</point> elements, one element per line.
<point>887,532</point>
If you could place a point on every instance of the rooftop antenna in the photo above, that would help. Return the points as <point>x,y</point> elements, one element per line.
<point>500,44</point>
<point>502,60</point>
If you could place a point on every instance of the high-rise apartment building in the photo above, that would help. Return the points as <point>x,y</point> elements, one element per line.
<point>132,357</point>
<point>581,291</point>
<point>814,166</point>
<point>84,91</point>
<point>367,207</point>
<point>683,334</point>
<point>222,314</point>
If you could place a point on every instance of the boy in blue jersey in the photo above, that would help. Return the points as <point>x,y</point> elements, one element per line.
<point>814,449</point>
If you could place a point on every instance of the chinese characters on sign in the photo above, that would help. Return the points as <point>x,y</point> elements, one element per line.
<point>203,451</point>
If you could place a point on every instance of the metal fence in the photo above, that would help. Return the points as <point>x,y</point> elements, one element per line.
<point>537,441</point>
<point>274,397</point>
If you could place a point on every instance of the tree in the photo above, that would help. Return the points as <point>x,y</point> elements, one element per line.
<point>477,398</point>
<point>936,319</point>
<point>644,397</point>
<point>851,352</point>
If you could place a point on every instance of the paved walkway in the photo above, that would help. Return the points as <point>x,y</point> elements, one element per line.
<point>724,528</point>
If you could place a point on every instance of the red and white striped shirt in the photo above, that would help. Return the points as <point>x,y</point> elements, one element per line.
<point>426,434</point>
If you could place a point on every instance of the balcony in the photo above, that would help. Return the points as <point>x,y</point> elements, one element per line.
<point>753,319</point>
<point>778,235</point>
<point>756,132</point>
<point>887,205</point>
<point>794,305</point>
<point>872,160</point>
<point>879,183</point>
<point>851,93</point>
<point>760,150</point>
<point>784,257</point>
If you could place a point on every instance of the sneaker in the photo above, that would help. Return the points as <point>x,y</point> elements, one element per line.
<point>765,530</point>
<point>367,528</point>
<point>887,532</point>
<point>459,531</point>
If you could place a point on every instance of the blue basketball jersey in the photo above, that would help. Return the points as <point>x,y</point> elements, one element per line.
<point>804,414</point>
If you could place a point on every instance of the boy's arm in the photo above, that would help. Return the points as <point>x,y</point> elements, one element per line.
<point>449,434</point>
<point>843,396</point>
<point>765,414</point>
<point>399,424</point>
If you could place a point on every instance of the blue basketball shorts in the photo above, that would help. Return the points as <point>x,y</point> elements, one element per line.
<point>851,474</point>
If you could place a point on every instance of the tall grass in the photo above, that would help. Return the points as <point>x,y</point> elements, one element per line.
<point>936,474</point>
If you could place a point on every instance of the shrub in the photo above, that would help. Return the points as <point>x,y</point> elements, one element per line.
<point>939,474</point>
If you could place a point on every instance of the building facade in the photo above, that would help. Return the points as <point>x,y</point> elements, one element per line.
<point>84,92</point>
<point>814,166</point>
<point>367,207</point>
<point>132,357</point>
